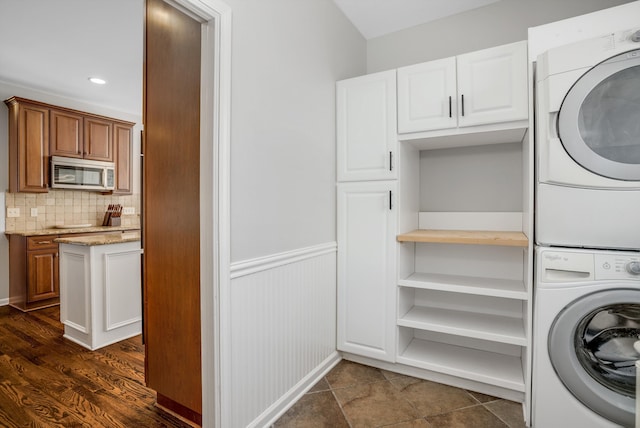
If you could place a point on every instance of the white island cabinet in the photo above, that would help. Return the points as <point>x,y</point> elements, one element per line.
<point>100,293</point>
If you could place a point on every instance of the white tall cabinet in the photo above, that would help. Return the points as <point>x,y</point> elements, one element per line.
<point>366,221</point>
<point>443,271</point>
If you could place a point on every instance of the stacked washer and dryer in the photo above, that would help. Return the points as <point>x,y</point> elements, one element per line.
<point>587,284</point>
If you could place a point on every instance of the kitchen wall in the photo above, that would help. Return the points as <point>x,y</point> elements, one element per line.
<point>57,206</point>
<point>66,207</point>
<point>499,23</point>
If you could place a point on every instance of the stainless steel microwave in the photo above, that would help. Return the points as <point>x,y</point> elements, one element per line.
<point>82,174</point>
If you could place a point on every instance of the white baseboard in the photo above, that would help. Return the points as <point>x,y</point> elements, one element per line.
<point>280,407</point>
<point>4,302</point>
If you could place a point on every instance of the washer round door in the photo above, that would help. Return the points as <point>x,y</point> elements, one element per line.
<point>591,347</point>
<point>599,119</point>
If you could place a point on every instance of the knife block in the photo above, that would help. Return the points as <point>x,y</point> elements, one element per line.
<point>114,221</point>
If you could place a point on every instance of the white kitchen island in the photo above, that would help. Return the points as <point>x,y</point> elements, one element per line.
<point>100,292</point>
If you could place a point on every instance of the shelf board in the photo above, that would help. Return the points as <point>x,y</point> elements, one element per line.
<point>470,237</point>
<point>482,366</point>
<point>494,287</point>
<point>494,328</point>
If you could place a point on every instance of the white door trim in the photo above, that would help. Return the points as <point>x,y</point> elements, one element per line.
<point>215,218</point>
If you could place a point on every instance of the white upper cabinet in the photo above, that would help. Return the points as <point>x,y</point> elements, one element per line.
<point>478,88</point>
<point>427,96</point>
<point>366,127</point>
<point>492,85</point>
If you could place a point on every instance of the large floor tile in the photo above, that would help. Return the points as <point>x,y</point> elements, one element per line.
<point>431,398</point>
<point>317,410</point>
<point>508,411</point>
<point>374,405</point>
<point>416,423</point>
<point>347,373</point>
<point>471,417</point>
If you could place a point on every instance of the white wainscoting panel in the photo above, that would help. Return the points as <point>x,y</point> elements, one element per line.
<point>122,299</point>
<point>282,330</point>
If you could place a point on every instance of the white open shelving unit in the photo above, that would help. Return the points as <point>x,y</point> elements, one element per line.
<point>464,288</point>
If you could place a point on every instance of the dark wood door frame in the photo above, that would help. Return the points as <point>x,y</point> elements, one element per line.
<point>215,253</point>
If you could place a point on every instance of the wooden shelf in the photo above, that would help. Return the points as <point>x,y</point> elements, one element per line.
<point>470,237</point>
<point>494,287</point>
<point>495,328</point>
<point>482,366</point>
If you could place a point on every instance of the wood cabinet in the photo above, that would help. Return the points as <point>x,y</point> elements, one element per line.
<point>38,131</point>
<point>28,147</point>
<point>366,269</point>
<point>479,88</point>
<point>123,155</point>
<point>366,127</point>
<point>33,272</point>
<point>66,138</point>
<point>98,141</point>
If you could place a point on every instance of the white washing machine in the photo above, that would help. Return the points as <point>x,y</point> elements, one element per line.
<point>588,143</point>
<point>586,322</point>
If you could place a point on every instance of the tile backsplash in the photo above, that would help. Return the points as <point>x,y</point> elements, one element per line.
<point>65,207</point>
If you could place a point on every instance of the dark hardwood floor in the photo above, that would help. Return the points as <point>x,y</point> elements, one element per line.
<point>48,381</point>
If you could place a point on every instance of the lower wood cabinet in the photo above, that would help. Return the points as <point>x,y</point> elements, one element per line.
<point>33,272</point>
<point>34,281</point>
<point>366,269</point>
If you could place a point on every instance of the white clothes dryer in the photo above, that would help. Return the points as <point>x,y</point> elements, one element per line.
<point>588,143</point>
<point>586,322</point>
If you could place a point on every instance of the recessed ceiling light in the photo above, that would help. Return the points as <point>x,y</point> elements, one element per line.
<point>97,80</point>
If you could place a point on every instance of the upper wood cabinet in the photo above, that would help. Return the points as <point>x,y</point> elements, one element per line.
<point>123,155</point>
<point>28,147</point>
<point>483,87</point>
<point>66,138</point>
<point>38,131</point>
<point>98,142</point>
<point>366,127</point>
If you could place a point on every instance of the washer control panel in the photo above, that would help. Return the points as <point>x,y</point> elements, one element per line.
<point>617,266</point>
<point>578,265</point>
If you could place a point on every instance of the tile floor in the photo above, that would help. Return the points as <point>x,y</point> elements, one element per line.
<point>354,395</point>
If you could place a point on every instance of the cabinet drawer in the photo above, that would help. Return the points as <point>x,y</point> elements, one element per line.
<point>41,242</point>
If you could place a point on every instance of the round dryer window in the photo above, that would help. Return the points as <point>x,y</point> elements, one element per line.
<point>599,119</point>
<point>591,347</point>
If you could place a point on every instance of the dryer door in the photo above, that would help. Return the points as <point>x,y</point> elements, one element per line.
<point>591,347</point>
<point>599,119</point>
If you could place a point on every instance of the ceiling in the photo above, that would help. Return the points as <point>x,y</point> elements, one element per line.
<point>55,46</point>
<point>375,18</point>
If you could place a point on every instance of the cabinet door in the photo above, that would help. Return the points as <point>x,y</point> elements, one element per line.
<point>366,127</point>
<point>29,149</point>
<point>98,144</point>
<point>122,148</point>
<point>492,85</point>
<point>66,134</point>
<point>42,275</point>
<point>427,96</point>
<point>366,269</point>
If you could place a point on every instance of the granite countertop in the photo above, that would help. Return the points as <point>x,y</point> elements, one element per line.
<point>68,230</point>
<point>100,239</point>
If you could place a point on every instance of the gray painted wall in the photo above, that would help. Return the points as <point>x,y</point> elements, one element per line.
<point>286,57</point>
<point>499,23</point>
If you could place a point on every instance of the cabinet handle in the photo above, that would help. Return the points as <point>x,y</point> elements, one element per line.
<point>43,242</point>
<point>55,256</point>
<point>462,104</point>
<point>390,161</point>
<point>390,203</point>
<point>449,105</point>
